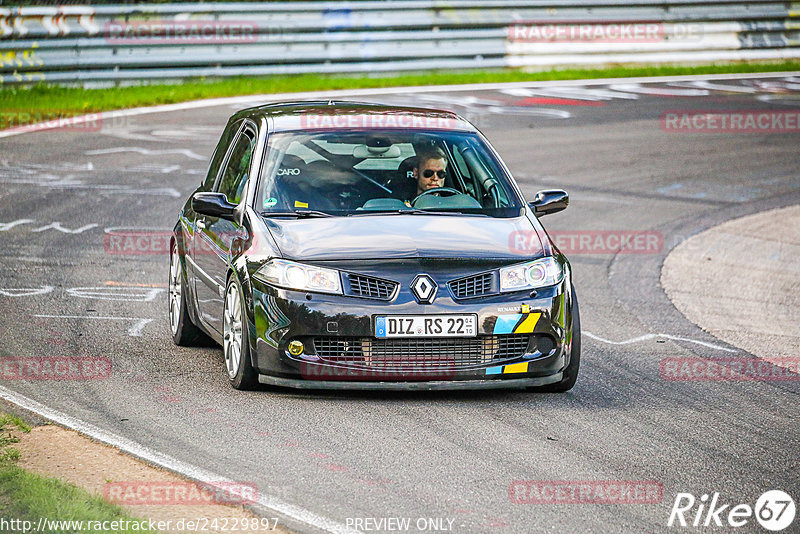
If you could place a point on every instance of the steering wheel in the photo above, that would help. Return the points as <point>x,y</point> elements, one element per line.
<point>449,190</point>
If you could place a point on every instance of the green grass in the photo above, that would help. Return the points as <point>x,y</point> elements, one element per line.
<point>26,496</point>
<point>45,102</point>
<point>7,452</point>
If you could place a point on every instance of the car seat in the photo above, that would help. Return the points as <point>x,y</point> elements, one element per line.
<point>403,185</point>
<point>289,181</point>
<point>329,187</point>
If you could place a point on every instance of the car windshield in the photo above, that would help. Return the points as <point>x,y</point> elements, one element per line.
<point>347,173</point>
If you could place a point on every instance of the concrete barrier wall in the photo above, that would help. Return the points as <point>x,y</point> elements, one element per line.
<point>86,44</point>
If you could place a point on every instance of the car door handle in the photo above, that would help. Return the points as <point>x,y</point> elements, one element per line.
<point>201,224</point>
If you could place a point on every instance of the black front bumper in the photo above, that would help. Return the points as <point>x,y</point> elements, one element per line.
<point>281,316</point>
<point>432,385</point>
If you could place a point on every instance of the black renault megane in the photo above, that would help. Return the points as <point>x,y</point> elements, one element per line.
<point>352,245</point>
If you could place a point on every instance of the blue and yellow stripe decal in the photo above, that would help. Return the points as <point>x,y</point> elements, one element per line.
<point>516,323</point>
<point>513,323</point>
<point>521,367</point>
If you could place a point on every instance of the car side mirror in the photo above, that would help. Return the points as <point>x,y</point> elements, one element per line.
<point>549,201</point>
<point>213,205</point>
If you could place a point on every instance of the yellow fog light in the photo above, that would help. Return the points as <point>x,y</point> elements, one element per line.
<point>295,348</point>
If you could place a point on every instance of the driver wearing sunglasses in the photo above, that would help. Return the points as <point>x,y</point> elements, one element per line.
<point>431,170</point>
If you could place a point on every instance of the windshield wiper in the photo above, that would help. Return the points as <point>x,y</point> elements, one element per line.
<point>301,214</point>
<point>413,211</point>
<point>407,211</point>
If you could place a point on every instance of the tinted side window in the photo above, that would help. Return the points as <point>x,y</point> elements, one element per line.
<point>219,154</point>
<point>237,169</point>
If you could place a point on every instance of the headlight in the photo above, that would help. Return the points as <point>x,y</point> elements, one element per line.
<point>539,273</point>
<point>300,277</point>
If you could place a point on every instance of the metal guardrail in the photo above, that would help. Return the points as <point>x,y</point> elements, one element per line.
<point>86,44</point>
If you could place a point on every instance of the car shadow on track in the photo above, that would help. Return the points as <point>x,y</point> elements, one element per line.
<point>424,396</point>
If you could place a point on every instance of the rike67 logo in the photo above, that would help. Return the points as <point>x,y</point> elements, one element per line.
<point>774,510</point>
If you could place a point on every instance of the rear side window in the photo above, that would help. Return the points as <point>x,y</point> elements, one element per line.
<point>237,168</point>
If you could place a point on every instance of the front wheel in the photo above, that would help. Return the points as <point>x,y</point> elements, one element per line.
<point>235,342</point>
<point>571,372</point>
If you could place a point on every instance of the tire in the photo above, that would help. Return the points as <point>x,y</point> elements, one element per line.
<point>235,339</point>
<point>571,372</point>
<point>184,332</point>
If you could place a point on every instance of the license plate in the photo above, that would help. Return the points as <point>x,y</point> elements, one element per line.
<point>426,326</point>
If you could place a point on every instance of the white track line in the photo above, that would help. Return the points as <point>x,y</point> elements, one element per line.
<point>145,152</point>
<point>191,471</point>
<point>25,291</point>
<point>195,104</point>
<point>653,336</point>
<point>134,331</point>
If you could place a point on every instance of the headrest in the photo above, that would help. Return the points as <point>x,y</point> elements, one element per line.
<point>291,167</point>
<point>406,167</point>
<point>325,172</point>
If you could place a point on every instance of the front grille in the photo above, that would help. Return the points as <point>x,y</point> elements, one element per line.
<point>369,287</point>
<point>476,285</point>
<point>419,354</point>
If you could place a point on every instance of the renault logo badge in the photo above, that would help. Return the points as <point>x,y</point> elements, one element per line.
<point>424,288</point>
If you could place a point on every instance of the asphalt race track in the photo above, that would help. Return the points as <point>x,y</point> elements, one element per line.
<point>330,458</point>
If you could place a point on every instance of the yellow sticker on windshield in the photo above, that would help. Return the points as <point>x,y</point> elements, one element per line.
<point>298,204</point>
